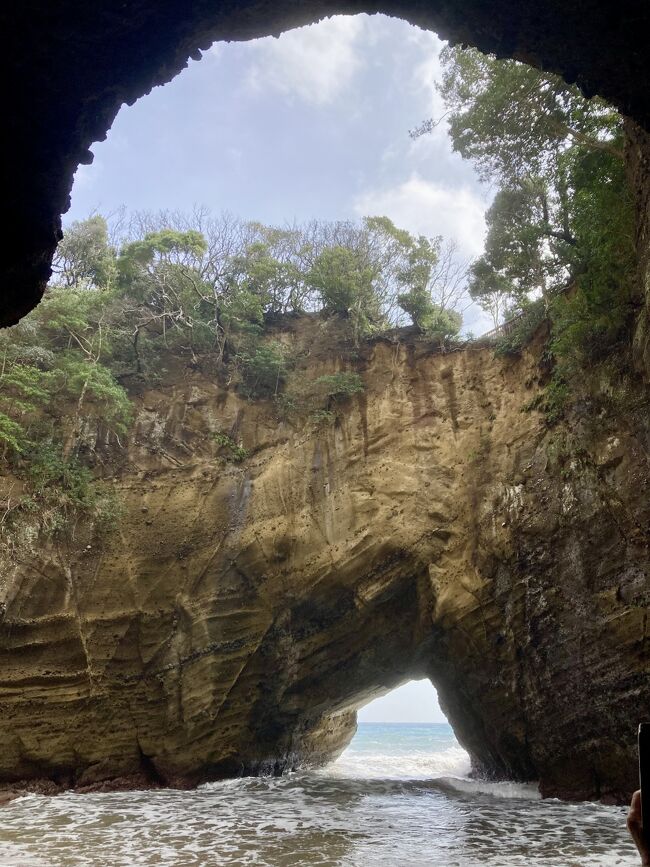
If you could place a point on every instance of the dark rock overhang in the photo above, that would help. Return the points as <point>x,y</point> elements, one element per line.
<point>71,65</point>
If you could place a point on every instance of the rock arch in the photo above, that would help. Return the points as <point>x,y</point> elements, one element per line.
<point>245,610</point>
<point>71,68</point>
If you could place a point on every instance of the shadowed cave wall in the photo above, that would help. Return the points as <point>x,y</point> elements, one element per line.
<point>69,67</point>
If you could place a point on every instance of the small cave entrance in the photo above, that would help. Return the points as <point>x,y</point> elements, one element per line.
<point>403,734</point>
<point>413,703</point>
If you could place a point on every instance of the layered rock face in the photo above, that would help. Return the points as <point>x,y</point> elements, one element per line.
<point>243,611</point>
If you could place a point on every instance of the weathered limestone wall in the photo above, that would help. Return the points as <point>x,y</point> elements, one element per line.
<point>243,611</point>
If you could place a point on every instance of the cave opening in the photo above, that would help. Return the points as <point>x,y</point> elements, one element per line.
<point>118,58</point>
<point>264,579</point>
<point>415,701</point>
<point>285,133</point>
<point>411,195</point>
<point>403,734</point>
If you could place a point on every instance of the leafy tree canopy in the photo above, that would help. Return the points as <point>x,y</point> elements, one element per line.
<point>85,258</point>
<point>514,121</point>
<point>561,222</point>
<point>198,288</point>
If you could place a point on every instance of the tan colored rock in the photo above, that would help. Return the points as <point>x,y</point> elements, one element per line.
<point>244,611</point>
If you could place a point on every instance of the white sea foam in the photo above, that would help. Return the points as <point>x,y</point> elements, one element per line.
<point>452,761</point>
<point>397,796</point>
<point>449,767</point>
<point>502,789</point>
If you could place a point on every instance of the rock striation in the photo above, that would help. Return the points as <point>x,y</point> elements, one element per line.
<point>244,611</point>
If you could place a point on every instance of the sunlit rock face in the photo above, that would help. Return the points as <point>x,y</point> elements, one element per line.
<point>244,610</point>
<point>68,73</point>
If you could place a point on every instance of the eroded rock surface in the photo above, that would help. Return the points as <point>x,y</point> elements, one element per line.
<point>245,610</point>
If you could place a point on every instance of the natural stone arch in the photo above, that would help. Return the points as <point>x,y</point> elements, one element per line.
<point>70,70</point>
<point>245,610</point>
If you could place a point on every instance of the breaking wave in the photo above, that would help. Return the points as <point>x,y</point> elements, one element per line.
<point>452,761</point>
<point>400,795</point>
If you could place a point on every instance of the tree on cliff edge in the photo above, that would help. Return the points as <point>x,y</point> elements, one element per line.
<point>562,215</point>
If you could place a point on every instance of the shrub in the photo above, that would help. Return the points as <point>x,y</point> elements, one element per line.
<point>587,325</point>
<point>234,451</point>
<point>12,436</point>
<point>60,491</point>
<point>338,385</point>
<point>264,370</point>
<point>525,322</point>
<point>321,398</point>
<point>430,318</point>
<point>556,397</point>
<point>322,417</point>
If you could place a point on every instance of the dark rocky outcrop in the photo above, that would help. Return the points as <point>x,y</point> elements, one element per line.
<point>245,610</point>
<point>71,65</point>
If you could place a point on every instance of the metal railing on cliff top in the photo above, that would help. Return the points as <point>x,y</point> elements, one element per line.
<point>506,327</point>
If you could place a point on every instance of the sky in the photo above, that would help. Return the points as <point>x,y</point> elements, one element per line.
<point>414,702</point>
<point>313,124</point>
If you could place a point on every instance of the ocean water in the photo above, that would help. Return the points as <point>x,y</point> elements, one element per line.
<point>398,797</point>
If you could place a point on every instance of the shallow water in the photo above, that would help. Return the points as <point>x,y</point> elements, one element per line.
<point>398,796</point>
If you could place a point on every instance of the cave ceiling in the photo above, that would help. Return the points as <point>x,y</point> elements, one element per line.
<point>71,65</point>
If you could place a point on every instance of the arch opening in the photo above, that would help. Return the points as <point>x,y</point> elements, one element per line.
<point>66,100</point>
<point>403,735</point>
<point>291,139</point>
<point>415,701</point>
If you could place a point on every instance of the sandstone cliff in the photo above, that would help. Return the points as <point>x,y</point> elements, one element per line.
<point>243,611</point>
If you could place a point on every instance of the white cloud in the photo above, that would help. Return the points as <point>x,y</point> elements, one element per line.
<point>428,72</point>
<point>314,64</point>
<point>429,208</point>
<point>476,321</point>
<point>87,176</point>
<point>426,75</point>
<point>413,702</point>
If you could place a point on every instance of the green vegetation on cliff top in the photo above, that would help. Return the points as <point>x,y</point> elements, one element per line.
<point>559,247</point>
<point>209,291</point>
<point>560,243</point>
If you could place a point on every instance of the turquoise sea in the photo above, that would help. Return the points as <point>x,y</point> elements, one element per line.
<point>399,796</point>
